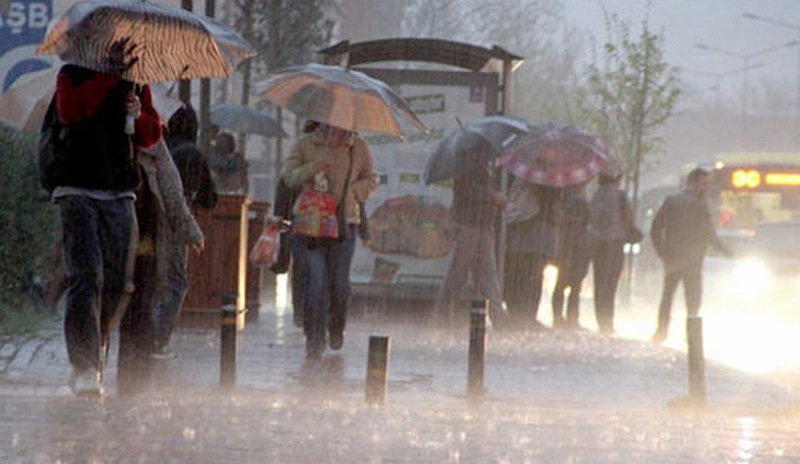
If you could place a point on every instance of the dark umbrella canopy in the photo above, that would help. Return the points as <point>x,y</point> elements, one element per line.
<point>557,155</point>
<point>244,119</point>
<point>147,42</point>
<point>469,146</point>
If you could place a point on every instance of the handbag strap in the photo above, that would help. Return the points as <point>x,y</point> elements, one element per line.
<point>347,178</point>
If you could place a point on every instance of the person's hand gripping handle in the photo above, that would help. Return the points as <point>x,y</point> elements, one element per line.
<point>133,108</point>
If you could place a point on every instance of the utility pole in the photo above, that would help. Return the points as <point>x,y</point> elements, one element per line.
<point>205,96</point>
<point>185,86</point>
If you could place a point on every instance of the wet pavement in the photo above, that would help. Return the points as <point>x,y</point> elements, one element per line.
<point>550,397</point>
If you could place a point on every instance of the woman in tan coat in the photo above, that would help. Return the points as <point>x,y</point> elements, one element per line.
<point>343,160</point>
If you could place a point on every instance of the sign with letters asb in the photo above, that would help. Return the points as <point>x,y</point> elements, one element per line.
<point>21,30</point>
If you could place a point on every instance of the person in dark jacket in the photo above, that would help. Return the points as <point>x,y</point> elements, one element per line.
<point>610,216</point>
<point>681,232</point>
<point>199,192</point>
<point>572,259</point>
<point>475,210</point>
<point>94,186</point>
<point>228,165</point>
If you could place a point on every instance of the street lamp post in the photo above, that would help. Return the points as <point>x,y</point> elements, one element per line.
<point>745,57</point>
<point>719,76</point>
<point>796,28</point>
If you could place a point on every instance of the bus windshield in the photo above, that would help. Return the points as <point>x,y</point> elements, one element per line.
<point>746,195</point>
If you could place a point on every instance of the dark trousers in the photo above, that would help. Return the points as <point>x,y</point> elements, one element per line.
<point>326,278</point>
<point>474,256</point>
<point>136,330</point>
<point>570,276</point>
<point>169,305</point>
<point>692,278</point>
<point>607,261</point>
<point>97,250</point>
<point>297,274</point>
<point>522,283</point>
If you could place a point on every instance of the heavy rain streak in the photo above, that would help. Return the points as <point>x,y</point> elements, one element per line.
<point>382,231</point>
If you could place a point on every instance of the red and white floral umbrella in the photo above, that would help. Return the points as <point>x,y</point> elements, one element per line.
<point>557,155</point>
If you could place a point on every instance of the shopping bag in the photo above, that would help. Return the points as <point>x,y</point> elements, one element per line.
<point>265,250</point>
<point>314,215</point>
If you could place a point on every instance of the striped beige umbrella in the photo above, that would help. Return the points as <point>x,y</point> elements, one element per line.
<point>341,97</point>
<point>145,42</point>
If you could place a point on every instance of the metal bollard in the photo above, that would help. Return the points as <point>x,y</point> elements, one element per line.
<point>228,342</point>
<point>377,369</point>
<point>697,368</point>
<point>477,347</point>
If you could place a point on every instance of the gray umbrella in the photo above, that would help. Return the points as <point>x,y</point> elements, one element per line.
<point>240,118</point>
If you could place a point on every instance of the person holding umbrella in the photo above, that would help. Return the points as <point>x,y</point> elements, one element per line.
<point>93,187</point>
<point>344,159</point>
<point>475,210</point>
<point>572,259</point>
<point>532,221</point>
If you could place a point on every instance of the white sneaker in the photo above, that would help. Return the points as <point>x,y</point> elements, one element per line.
<point>86,383</point>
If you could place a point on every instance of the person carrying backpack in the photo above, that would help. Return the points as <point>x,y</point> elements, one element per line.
<point>92,177</point>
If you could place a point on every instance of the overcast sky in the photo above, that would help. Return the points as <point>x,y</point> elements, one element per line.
<point>715,23</point>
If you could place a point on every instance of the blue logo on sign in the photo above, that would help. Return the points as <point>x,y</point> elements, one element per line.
<point>21,30</point>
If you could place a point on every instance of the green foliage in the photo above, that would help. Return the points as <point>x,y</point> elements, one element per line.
<point>28,224</point>
<point>285,32</point>
<point>631,95</point>
<point>532,29</point>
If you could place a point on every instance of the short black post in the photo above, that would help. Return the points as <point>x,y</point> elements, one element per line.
<point>477,347</point>
<point>377,369</point>
<point>228,342</point>
<point>697,368</point>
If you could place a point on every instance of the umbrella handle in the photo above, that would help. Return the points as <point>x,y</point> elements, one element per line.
<point>130,120</point>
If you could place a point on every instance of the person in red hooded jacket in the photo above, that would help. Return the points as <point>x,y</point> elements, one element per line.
<point>94,185</point>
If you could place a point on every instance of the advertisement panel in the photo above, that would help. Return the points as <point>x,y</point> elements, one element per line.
<point>408,253</point>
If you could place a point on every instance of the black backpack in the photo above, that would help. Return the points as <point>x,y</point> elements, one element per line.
<point>52,147</point>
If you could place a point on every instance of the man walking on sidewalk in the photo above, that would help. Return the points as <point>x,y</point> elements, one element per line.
<point>681,232</point>
<point>92,179</point>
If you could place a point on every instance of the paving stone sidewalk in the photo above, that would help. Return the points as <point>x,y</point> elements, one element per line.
<point>551,397</point>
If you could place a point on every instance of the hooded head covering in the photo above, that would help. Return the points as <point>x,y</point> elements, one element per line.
<point>182,125</point>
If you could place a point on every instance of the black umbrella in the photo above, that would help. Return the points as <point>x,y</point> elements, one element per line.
<point>472,145</point>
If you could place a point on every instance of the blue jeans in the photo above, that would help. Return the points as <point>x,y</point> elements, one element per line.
<point>327,281</point>
<point>97,249</point>
<point>171,298</point>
